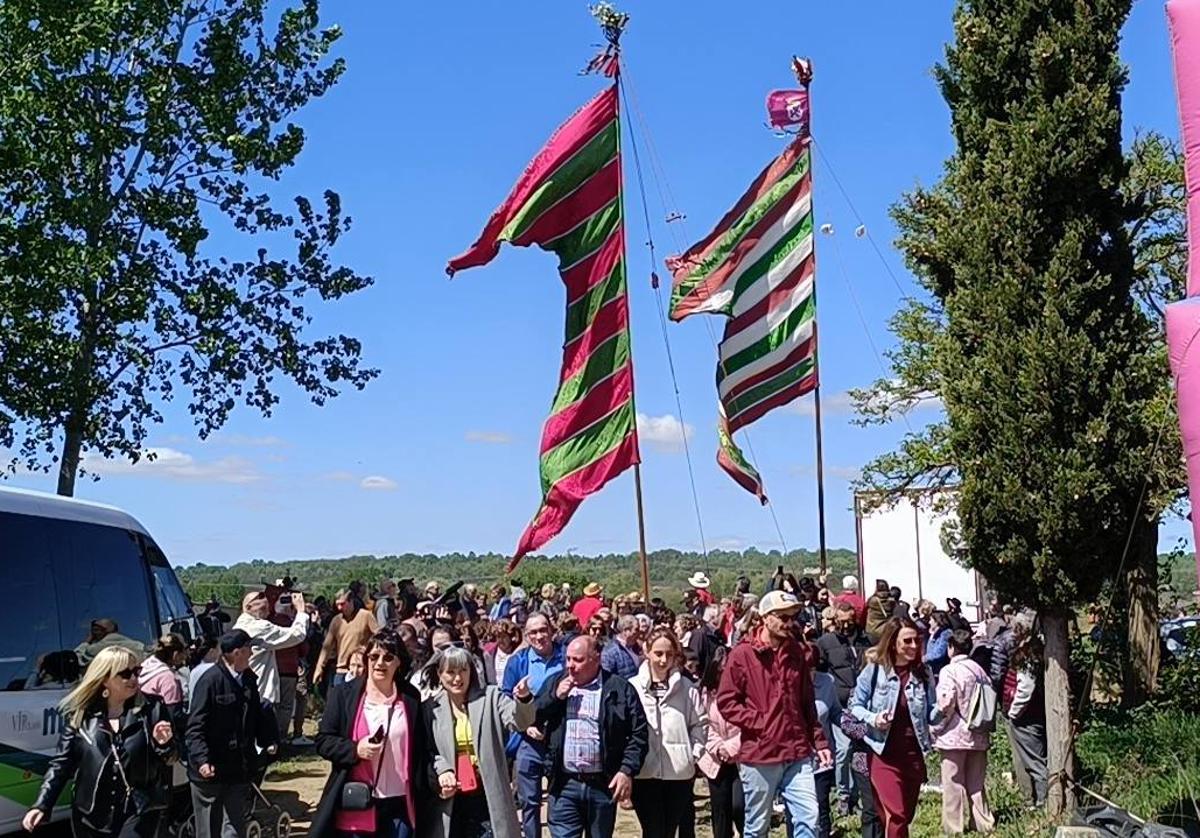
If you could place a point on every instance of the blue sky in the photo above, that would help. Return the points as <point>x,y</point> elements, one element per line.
<point>441,107</point>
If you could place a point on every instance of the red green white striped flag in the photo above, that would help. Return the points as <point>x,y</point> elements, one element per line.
<point>757,269</point>
<point>568,201</point>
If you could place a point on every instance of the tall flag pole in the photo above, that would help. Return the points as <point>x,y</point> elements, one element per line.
<point>757,268</point>
<point>569,201</point>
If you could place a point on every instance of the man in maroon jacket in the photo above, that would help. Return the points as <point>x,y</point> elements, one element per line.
<point>767,693</point>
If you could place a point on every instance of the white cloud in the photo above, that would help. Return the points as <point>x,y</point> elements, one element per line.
<point>489,437</point>
<point>173,464</point>
<point>339,476</point>
<point>832,404</point>
<point>664,433</point>
<point>377,483</point>
<point>840,404</point>
<point>836,472</point>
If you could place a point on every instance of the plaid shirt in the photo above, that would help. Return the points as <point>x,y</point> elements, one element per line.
<point>581,741</point>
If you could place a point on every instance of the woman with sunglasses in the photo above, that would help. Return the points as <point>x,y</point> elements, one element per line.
<point>116,745</point>
<point>896,699</point>
<point>371,733</point>
<point>467,724</point>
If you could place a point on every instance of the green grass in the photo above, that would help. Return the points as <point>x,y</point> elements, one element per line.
<point>1147,761</point>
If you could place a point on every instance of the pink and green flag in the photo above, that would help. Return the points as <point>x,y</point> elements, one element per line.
<point>568,201</point>
<point>756,268</point>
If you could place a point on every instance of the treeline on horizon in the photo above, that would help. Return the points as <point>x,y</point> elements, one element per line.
<point>618,572</point>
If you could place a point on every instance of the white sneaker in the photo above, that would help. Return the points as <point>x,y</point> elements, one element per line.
<point>302,742</point>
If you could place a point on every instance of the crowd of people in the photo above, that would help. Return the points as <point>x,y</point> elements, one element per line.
<point>453,713</point>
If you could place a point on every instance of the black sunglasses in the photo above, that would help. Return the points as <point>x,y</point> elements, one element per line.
<point>129,674</point>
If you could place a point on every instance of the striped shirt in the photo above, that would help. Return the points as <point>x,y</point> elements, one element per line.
<point>581,741</point>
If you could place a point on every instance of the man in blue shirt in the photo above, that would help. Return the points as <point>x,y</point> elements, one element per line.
<point>620,657</point>
<point>539,659</point>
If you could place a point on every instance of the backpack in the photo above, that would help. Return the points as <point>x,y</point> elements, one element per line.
<point>981,712</point>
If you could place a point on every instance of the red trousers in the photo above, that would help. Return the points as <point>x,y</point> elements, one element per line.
<point>896,779</point>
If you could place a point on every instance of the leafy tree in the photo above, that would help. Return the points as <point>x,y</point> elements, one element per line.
<point>1058,422</point>
<point>130,130</point>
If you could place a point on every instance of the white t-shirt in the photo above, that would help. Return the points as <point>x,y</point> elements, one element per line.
<point>502,658</point>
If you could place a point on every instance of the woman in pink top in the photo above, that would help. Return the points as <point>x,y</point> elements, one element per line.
<point>964,751</point>
<point>719,761</point>
<point>158,675</point>
<point>371,733</point>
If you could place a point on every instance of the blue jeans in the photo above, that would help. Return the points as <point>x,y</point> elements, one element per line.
<point>794,782</point>
<point>530,768</point>
<point>582,809</point>
<point>842,771</point>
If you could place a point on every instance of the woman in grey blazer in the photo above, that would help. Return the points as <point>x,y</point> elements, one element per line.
<point>468,723</point>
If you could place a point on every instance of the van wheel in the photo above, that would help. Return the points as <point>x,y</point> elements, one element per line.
<point>253,829</point>
<point>283,826</point>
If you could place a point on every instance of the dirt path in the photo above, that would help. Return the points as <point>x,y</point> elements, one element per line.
<point>296,785</point>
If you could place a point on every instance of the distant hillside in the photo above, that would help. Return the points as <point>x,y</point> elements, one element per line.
<point>619,573</point>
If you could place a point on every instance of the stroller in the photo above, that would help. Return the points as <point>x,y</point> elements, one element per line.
<point>263,818</point>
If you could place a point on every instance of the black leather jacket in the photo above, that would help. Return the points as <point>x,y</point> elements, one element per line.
<point>86,755</point>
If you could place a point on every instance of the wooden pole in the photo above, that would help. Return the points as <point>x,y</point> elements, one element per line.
<point>641,519</point>
<point>820,472</point>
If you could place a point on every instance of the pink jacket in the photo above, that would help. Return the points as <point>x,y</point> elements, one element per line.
<point>724,740</point>
<point>956,684</point>
<point>159,679</point>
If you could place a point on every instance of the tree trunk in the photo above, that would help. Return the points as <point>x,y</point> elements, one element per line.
<point>1140,661</point>
<point>1060,734</point>
<point>68,466</point>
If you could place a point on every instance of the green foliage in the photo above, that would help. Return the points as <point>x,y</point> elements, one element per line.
<point>1146,760</point>
<point>1179,677</point>
<point>130,130</point>
<point>1032,333</point>
<point>619,573</point>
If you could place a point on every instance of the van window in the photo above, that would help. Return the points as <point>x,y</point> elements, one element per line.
<point>174,608</point>
<point>103,589</point>
<point>29,627</point>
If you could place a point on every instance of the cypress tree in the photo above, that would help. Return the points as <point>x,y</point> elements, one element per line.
<point>1046,363</point>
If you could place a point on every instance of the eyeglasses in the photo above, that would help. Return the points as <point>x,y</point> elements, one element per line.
<point>385,657</point>
<point>129,674</point>
<point>908,641</point>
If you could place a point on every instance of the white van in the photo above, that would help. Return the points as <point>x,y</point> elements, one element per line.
<point>65,565</point>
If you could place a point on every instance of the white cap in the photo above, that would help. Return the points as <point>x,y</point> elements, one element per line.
<point>778,601</point>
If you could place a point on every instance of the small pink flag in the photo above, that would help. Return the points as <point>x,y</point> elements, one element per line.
<point>787,110</point>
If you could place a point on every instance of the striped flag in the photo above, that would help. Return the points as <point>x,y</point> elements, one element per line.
<point>756,268</point>
<point>568,201</point>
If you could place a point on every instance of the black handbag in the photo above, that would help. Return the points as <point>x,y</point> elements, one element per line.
<point>358,796</point>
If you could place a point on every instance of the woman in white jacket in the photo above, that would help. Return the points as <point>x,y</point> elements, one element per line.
<point>678,728</point>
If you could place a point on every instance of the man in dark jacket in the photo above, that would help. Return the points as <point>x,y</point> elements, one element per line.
<point>843,652</point>
<point>596,741</point>
<point>766,691</point>
<point>226,726</point>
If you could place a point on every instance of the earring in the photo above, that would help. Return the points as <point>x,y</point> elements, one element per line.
<point>104,693</point>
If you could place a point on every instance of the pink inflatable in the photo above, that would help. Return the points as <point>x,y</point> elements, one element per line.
<point>1183,318</point>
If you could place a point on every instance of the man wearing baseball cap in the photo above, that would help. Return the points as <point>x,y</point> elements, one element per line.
<point>766,692</point>
<point>226,727</point>
<point>267,637</point>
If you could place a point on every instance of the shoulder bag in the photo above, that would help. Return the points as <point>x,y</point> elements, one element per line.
<point>358,796</point>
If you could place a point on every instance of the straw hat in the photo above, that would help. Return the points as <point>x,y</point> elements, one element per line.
<point>592,589</point>
<point>699,580</point>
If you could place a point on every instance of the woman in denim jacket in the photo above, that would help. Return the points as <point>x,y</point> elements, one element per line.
<point>896,699</point>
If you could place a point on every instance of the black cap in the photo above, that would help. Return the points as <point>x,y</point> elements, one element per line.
<point>231,641</point>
